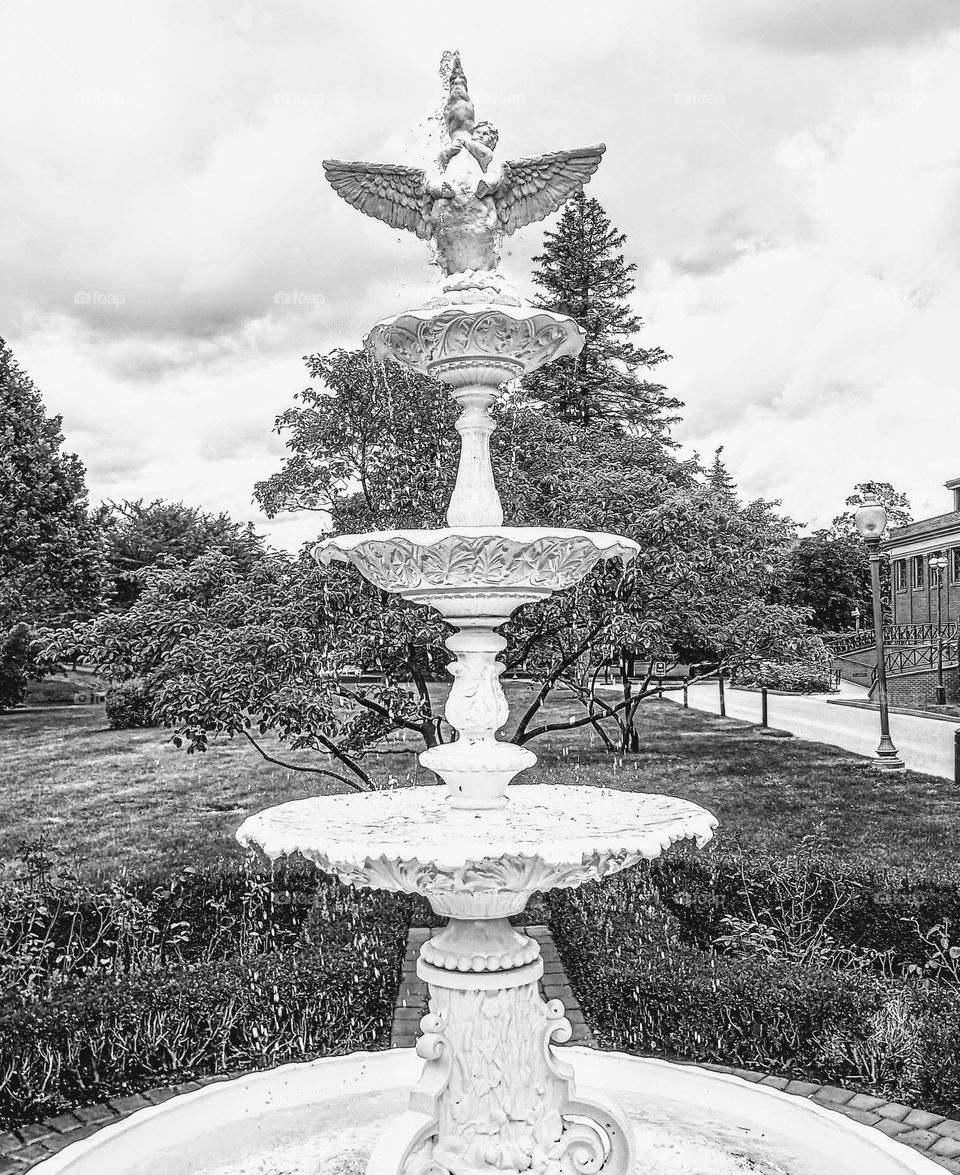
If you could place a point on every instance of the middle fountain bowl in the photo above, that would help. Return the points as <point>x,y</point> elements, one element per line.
<point>476,577</point>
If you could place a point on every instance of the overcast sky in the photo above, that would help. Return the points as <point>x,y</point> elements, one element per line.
<point>787,174</point>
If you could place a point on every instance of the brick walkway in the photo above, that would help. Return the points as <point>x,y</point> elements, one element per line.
<point>412,997</point>
<point>937,1137</point>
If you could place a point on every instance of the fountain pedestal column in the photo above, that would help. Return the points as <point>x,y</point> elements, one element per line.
<point>475,501</point>
<point>494,1096</point>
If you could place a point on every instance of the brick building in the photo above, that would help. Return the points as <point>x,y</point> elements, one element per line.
<point>914,582</point>
<point>919,653</point>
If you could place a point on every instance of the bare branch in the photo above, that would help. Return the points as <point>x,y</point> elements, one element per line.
<point>313,770</point>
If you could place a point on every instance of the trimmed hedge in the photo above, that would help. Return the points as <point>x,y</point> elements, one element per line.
<point>102,1038</point>
<point>121,987</point>
<point>792,965</point>
<point>863,909</point>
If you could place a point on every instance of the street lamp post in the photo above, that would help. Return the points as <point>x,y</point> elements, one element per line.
<point>871,520</point>
<point>856,618</point>
<point>937,564</point>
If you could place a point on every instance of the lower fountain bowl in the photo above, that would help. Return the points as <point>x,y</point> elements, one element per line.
<point>322,1118</point>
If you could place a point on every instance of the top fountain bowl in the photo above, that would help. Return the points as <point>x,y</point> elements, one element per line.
<point>486,344</point>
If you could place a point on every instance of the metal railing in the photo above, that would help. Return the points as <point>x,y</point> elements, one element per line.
<point>853,642</point>
<point>920,634</point>
<point>911,657</point>
<point>896,634</point>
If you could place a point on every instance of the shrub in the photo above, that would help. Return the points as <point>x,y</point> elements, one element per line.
<point>15,660</point>
<point>755,1013</point>
<point>799,677</point>
<point>865,912</point>
<point>797,965</point>
<point>125,985</point>
<point>938,1042</point>
<point>57,930</point>
<point>129,706</point>
<point>102,1038</point>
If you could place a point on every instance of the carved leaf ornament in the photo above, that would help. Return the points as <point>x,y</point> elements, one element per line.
<point>552,561</point>
<point>420,342</point>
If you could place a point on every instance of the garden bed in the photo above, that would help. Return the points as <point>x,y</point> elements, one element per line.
<point>115,988</point>
<point>796,966</point>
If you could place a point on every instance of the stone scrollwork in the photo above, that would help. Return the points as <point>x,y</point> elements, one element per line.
<point>497,1095</point>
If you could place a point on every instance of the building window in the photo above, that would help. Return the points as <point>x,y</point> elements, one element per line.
<point>900,574</point>
<point>955,565</point>
<point>917,572</point>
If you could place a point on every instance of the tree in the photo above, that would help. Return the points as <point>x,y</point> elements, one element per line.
<point>16,665</point>
<point>718,477</point>
<point>49,548</point>
<point>270,655</point>
<point>897,506</point>
<point>696,592</point>
<point>583,274</point>
<point>828,574</point>
<point>371,444</point>
<point>136,534</point>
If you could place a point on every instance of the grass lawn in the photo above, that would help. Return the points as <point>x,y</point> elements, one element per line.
<point>114,801</point>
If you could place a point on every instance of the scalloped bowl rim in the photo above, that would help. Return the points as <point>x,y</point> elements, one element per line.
<point>521,313</point>
<point>522,535</point>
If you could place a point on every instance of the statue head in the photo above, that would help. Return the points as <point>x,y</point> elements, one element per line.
<point>487,133</point>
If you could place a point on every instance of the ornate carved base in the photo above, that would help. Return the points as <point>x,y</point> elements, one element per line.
<point>494,1097</point>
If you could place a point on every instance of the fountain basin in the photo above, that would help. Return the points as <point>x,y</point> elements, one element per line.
<point>323,1117</point>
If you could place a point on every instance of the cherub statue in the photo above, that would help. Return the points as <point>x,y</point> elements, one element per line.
<point>468,201</point>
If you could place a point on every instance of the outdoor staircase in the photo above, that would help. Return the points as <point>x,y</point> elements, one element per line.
<point>908,648</point>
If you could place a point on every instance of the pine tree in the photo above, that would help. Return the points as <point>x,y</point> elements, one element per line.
<point>49,544</point>
<point>718,476</point>
<point>583,273</point>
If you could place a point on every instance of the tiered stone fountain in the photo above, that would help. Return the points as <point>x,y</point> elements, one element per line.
<point>494,1096</point>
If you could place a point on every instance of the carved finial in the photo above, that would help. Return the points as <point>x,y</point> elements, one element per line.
<point>458,113</point>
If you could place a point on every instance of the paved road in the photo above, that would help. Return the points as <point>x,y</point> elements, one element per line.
<point>925,744</point>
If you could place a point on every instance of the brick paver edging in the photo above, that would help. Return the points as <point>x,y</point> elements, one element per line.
<point>937,1137</point>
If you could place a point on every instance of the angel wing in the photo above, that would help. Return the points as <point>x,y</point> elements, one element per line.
<point>533,188</point>
<point>388,191</point>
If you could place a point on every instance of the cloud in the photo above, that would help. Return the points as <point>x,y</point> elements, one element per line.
<point>836,26</point>
<point>786,174</point>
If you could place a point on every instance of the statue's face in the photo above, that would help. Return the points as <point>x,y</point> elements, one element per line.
<point>487,133</point>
